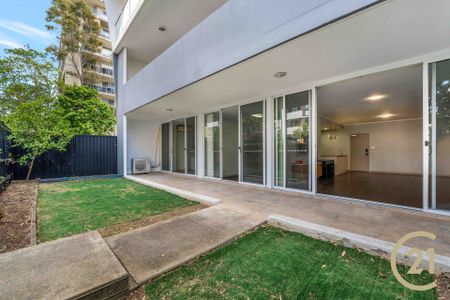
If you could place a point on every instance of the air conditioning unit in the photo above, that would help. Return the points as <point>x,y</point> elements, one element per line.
<point>140,165</point>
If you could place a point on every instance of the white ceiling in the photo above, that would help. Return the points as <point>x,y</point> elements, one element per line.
<point>345,102</point>
<point>143,39</point>
<point>383,34</point>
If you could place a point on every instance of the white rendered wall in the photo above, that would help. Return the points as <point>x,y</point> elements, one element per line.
<point>142,140</point>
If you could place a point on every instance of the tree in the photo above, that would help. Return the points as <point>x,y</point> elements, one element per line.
<point>85,111</point>
<point>25,75</point>
<point>37,126</point>
<point>28,88</point>
<point>79,36</point>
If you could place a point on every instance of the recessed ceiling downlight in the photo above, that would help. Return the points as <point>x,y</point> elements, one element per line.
<point>280,74</point>
<point>376,97</point>
<point>386,116</point>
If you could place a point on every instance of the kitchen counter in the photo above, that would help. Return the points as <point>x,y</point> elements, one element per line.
<point>340,163</point>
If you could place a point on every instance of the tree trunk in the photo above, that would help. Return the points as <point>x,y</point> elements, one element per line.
<point>30,168</point>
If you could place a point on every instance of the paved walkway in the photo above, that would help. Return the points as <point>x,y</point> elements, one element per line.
<point>380,222</point>
<point>150,251</point>
<point>80,266</point>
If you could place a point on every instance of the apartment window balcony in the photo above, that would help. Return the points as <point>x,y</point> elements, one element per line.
<point>103,89</point>
<point>102,17</point>
<point>100,70</point>
<point>105,34</point>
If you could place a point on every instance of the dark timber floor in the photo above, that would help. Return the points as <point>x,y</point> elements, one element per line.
<point>387,188</point>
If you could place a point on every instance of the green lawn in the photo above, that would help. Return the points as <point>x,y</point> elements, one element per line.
<point>72,207</point>
<point>270,263</point>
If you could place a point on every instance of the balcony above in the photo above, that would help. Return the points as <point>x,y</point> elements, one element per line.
<point>139,25</point>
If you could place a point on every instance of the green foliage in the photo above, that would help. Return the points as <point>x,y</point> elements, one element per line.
<point>25,75</point>
<point>85,111</point>
<point>73,207</point>
<point>37,126</point>
<point>443,109</point>
<point>28,86</point>
<point>78,36</point>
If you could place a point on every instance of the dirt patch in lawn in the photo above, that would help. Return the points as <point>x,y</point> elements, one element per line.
<point>443,289</point>
<point>130,225</point>
<point>15,210</point>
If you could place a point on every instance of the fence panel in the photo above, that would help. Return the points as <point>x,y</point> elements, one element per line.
<point>85,155</point>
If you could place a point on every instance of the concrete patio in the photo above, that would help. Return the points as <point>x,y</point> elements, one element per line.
<point>375,221</point>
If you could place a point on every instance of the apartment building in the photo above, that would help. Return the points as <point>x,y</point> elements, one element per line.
<point>339,99</point>
<point>101,67</point>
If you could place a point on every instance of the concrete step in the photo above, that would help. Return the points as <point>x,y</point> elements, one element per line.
<point>77,267</point>
<point>150,251</point>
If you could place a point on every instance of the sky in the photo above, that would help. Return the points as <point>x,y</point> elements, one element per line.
<point>22,22</point>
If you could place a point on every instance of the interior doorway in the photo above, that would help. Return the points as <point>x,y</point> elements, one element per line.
<point>359,152</point>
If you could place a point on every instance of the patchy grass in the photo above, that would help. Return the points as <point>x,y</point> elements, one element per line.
<point>270,263</point>
<point>73,207</point>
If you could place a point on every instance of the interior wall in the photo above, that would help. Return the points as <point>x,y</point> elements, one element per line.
<point>142,141</point>
<point>395,147</point>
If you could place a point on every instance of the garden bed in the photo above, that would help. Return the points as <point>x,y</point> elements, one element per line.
<point>270,263</point>
<point>16,205</point>
<point>111,205</point>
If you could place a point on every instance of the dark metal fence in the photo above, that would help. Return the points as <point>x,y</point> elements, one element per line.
<point>85,155</point>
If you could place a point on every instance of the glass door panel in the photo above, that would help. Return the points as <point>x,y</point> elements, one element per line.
<point>190,145</point>
<point>440,134</point>
<point>230,143</point>
<point>178,146</point>
<point>165,145</point>
<point>297,140</point>
<point>252,128</point>
<point>212,144</point>
<point>279,141</point>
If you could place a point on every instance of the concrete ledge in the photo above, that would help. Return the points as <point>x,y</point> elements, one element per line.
<point>203,199</point>
<point>370,245</point>
<point>80,266</point>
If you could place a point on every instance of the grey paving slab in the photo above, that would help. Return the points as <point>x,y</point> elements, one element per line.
<point>81,266</point>
<point>380,222</point>
<point>151,251</point>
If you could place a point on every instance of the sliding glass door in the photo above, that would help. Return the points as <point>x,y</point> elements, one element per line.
<point>439,118</point>
<point>252,142</point>
<point>165,145</point>
<point>178,146</point>
<point>179,140</point>
<point>190,145</point>
<point>230,143</point>
<point>212,144</point>
<point>292,161</point>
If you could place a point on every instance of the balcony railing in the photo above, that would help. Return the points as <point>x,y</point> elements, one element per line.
<point>103,89</point>
<point>100,70</point>
<point>125,16</point>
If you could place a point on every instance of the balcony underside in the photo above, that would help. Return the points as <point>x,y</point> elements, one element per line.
<point>381,35</point>
<point>143,39</point>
